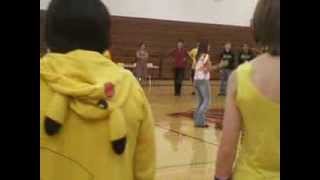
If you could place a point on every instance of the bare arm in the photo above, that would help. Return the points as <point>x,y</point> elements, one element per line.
<point>138,55</point>
<point>208,66</point>
<point>190,54</point>
<point>231,132</point>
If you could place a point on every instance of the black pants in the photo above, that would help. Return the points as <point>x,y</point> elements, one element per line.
<point>178,78</point>
<point>192,74</point>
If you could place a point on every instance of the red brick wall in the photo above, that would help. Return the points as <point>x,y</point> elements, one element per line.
<point>161,37</point>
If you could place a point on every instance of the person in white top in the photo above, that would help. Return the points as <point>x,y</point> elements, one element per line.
<point>142,57</point>
<point>202,84</point>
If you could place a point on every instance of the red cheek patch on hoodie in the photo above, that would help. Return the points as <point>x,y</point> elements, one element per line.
<point>109,90</point>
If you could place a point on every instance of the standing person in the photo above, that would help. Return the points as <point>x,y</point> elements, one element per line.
<point>180,55</point>
<point>142,56</point>
<point>253,107</point>
<point>193,54</point>
<point>227,62</point>
<point>245,54</point>
<point>202,84</point>
<point>95,121</point>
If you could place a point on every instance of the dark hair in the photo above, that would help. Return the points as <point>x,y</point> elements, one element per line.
<point>203,48</point>
<point>180,40</point>
<point>78,24</point>
<point>266,25</point>
<point>245,44</point>
<point>141,43</point>
<point>228,42</point>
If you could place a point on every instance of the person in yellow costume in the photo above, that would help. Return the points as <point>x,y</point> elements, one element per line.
<point>252,111</point>
<point>95,121</point>
<point>193,54</point>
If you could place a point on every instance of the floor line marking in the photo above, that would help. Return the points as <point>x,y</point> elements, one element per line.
<point>186,135</point>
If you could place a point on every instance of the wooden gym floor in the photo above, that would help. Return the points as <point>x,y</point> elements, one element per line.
<point>183,152</point>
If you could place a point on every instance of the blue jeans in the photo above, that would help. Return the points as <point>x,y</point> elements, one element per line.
<point>203,90</point>
<point>224,75</point>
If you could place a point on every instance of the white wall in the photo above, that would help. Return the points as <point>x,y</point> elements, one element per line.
<point>228,12</point>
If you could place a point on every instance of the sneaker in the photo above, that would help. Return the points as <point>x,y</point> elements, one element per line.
<point>202,126</point>
<point>218,126</point>
<point>205,126</point>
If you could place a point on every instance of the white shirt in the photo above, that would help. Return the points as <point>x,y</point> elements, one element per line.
<point>200,74</point>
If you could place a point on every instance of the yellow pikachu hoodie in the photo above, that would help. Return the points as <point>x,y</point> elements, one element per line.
<point>72,87</point>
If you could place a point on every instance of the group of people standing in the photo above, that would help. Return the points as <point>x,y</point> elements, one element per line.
<point>200,72</point>
<point>228,61</point>
<point>201,66</point>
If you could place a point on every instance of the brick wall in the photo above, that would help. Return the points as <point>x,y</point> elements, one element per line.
<point>161,37</point>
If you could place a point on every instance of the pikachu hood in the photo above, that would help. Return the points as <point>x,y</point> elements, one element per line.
<point>81,83</point>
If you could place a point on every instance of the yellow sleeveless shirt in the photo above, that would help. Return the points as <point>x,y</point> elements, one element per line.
<point>259,156</point>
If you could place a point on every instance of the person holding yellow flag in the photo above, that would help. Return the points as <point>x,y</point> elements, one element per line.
<point>193,54</point>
